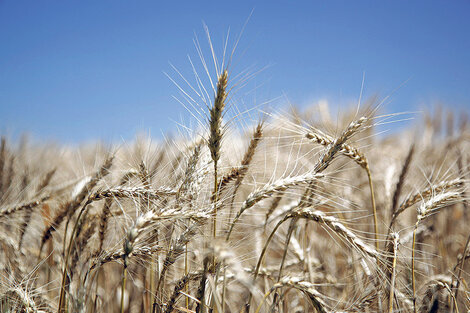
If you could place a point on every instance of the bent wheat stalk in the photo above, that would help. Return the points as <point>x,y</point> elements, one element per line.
<point>296,283</point>
<point>424,210</point>
<point>358,157</point>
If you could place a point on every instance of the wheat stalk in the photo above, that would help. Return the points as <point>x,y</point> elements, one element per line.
<point>360,159</point>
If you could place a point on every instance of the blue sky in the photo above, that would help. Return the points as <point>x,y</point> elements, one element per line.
<point>75,71</point>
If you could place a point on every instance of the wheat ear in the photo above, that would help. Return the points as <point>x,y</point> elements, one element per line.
<point>412,199</point>
<point>135,192</point>
<point>119,255</point>
<point>337,145</point>
<point>190,171</point>
<point>24,206</point>
<point>180,285</point>
<point>268,189</point>
<point>246,161</point>
<point>398,188</point>
<point>28,212</point>
<point>338,228</point>
<point>216,133</point>
<point>401,178</point>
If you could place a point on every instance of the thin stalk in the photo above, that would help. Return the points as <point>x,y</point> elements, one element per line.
<point>156,264</point>
<point>224,287</point>
<point>123,285</point>
<point>454,300</point>
<point>64,273</point>
<point>460,265</point>
<point>413,280</point>
<point>214,225</point>
<point>392,282</point>
<point>260,259</point>
<point>284,255</point>
<point>152,280</point>
<point>289,235</point>
<point>186,272</point>
<point>98,274</point>
<point>266,295</point>
<point>374,209</point>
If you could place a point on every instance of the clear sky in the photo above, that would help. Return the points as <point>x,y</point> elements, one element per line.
<point>74,71</point>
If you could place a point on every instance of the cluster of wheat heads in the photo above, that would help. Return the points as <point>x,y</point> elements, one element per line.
<point>298,214</point>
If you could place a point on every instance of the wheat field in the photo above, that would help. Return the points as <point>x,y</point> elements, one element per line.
<point>296,212</point>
